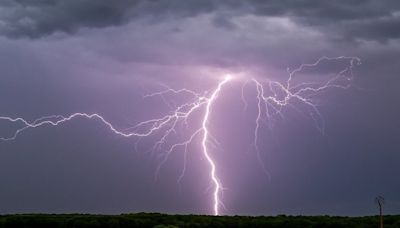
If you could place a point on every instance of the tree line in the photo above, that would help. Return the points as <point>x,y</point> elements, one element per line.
<point>156,220</point>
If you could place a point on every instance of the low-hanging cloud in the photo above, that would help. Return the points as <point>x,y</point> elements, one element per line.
<point>347,20</point>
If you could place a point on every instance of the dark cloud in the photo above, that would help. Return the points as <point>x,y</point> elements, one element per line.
<point>38,18</point>
<point>380,29</point>
<point>347,19</point>
<point>316,12</point>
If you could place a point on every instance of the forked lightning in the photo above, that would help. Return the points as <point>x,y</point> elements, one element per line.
<point>269,105</point>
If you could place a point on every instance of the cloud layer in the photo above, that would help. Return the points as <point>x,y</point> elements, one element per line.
<point>372,20</point>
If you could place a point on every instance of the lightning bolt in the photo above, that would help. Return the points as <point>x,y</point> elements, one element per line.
<point>168,123</point>
<point>204,144</point>
<point>271,99</point>
<point>272,105</point>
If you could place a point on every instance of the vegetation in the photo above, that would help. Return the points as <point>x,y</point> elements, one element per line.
<point>156,220</point>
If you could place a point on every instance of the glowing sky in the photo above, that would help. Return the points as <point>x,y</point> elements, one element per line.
<point>63,57</point>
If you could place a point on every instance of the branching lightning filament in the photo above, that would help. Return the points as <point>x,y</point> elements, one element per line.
<point>271,96</point>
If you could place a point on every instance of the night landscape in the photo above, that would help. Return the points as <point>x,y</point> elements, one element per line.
<point>199,113</point>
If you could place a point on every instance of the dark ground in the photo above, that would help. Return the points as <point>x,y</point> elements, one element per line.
<point>161,220</point>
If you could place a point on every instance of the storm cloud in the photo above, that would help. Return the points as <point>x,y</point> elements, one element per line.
<point>372,20</point>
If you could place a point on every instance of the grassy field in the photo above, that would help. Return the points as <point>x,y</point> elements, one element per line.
<point>144,220</point>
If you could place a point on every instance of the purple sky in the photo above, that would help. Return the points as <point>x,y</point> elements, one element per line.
<point>100,56</point>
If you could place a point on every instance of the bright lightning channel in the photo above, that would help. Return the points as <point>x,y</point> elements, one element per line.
<point>168,123</point>
<point>204,144</point>
<point>267,108</point>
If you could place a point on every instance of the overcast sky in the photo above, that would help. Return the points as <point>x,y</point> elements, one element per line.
<point>100,56</point>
